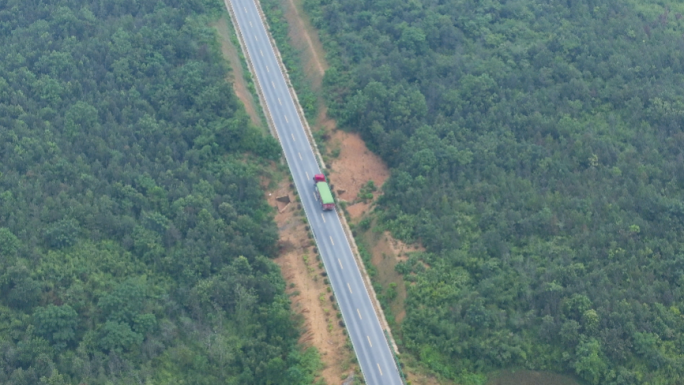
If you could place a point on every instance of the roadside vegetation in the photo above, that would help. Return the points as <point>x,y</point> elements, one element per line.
<point>135,240</point>
<point>536,151</point>
<point>292,61</point>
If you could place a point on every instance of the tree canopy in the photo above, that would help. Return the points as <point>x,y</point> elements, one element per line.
<point>536,151</point>
<point>134,235</point>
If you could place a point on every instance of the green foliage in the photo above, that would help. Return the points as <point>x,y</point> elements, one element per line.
<point>365,224</point>
<point>366,191</point>
<point>536,152</point>
<point>9,243</point>
<point>56,323</point>
<point>134,237</point>
<point>62,233</point>
<point>118,336</point>
<point>20,289</point>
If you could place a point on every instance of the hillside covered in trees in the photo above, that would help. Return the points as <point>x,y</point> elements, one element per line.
<point>134,236</point>
<point>537,153</point>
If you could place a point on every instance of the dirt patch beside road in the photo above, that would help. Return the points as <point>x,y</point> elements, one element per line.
<point>352,169</point>
<point>387,252</point>
<point>307,288</point>
<point>304,38</point>
<point>237,76</point>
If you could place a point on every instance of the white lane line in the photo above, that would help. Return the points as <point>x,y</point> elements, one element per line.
<point>245,8</point>
<point>379,368</point>
<point>256,38</point>
<point>357,310</point>
<point>300,158</point>
<point>284,115</point>
<point>250,24</point>
<point>292,135</point>
<point>371,344</point>
<point>338,260</point>
<point>273,84</point>
<point>279,102</point>
<point>350,290</point>
<point>261,52</point>
<point>323,217</point>
<point>268,70</point>
<point>331,241</point>
<point>307,174</point>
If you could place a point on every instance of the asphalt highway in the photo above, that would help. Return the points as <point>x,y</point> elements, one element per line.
<point>371,347</point>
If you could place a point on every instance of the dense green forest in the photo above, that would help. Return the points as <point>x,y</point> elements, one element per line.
<point>134,236</point>
<point>537,153</point>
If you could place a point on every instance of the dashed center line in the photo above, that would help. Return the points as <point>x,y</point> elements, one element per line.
<point>331,241</point>
<point>268,70</point>
<point>279,102</point>
<point>371,344</point>
<point>350,290</point>
<point>323,217</point>
<point>300,158</point>
<point>250,24</point>
<point>357,310</point>
<point>379,368</point>
<point>307,174</point>
<point>292,135</point>
<point>273,84</point>
<point>256,38</point>
<point>285,116</point>
<point>261,52</point>
<point>338,260</point>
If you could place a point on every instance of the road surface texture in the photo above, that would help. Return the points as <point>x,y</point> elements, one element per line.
<point>373,353</point>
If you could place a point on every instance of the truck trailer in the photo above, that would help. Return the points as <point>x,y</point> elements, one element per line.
<point>323,193</point>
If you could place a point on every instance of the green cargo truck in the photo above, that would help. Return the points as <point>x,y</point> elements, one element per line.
<point>323,193</point>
